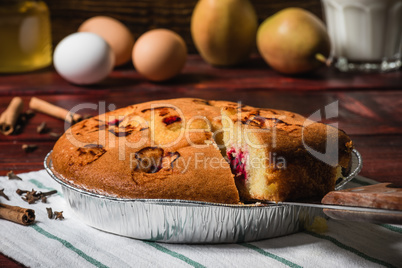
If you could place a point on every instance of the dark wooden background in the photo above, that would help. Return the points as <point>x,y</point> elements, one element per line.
<point>370,105</point>
<point>142,15</point>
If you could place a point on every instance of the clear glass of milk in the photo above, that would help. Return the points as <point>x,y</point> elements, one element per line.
<point>366,35</point>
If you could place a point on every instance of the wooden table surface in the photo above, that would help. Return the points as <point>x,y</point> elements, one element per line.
<point>370,106</point>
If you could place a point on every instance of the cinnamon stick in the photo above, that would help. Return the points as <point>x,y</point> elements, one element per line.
<point>9,117</point>
<point>53,110</point>
<point>16,214</point>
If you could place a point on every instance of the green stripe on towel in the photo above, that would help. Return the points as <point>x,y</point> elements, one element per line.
<point>41,186</point>
<point>174,254</point>
<point>268,254</point>
<point>392,228</point>
<point>69,246</point>
<point>349,248</point>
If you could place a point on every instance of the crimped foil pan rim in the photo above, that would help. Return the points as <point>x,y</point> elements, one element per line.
<point>356,168</point>
<point>184,221</point>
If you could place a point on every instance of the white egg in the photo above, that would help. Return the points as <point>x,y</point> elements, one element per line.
<point>83,58</point>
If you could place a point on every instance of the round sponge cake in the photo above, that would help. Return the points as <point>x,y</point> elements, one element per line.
<point>174,149</point>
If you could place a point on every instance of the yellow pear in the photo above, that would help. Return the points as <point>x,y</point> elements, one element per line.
<point>293,41</point>
<point>223,31</point>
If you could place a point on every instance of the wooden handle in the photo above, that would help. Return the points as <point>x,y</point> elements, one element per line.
<point>383,195</point>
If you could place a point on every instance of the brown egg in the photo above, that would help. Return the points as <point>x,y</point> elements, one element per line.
<point>115,33</point>
<point>159,54</point>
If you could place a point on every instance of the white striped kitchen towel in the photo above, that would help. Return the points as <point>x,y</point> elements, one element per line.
<point>54,243</point>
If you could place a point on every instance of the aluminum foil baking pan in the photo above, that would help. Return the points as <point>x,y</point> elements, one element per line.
<point>181,221</point>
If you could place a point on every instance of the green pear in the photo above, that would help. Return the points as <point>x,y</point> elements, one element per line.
<point>293,41</point>
<point>223,31</point>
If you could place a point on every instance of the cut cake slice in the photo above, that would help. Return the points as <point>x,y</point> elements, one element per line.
<point>273,154</point>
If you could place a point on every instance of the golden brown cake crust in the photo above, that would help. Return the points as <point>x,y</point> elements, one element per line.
<point>292,134</point>
<point>105,154</point>
<point>99,156</point>
<point>293,138</point>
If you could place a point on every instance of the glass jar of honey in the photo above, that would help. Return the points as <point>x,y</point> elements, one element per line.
<point>25,38</point>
